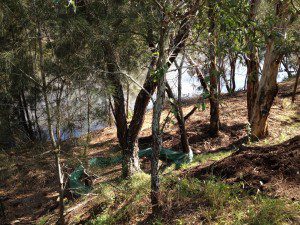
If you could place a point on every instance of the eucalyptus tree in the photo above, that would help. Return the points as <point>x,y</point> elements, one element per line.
<point>135,25</point>
<point>213,73</point>
<point>283,15</point>
<point>252,58</point>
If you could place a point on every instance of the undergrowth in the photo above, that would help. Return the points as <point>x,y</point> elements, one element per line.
<point>192,201</point>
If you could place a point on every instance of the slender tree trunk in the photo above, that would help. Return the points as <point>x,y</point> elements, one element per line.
<point>58,114</point>
<point>88,137</point>
<point>214,100</point>
<point>176,104</point>
<point>183,134</point>
<point>179,117</point>
<point>110,112</point>
<point>268,87</point>
<point>199,74</point>
<point>28,119</point>
<point>204,85</point>
<point>245,83</point>
<point>60,176</point>
<point>38,128</point>
<point>296,83</point>
<point>157,110</point>
<point>21,113</point>
<point>233,59</point>
<point>223,74</point>
<point>252,61</point>
<point>56,151</point>
<point>286,67</point>
<point>127,99</point>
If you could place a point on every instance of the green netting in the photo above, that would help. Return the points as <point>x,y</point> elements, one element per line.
<point>78,187</point>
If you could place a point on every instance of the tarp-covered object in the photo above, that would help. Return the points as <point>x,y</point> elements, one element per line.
<point>77,186</point>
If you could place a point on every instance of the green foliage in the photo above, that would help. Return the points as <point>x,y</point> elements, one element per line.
<point>160,72</point>
<point>43,220</point>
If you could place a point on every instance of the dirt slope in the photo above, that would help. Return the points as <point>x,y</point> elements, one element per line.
<point>275,169</point>
<point>27,175</point>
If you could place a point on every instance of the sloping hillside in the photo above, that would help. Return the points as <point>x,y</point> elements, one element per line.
<point>28,183</point>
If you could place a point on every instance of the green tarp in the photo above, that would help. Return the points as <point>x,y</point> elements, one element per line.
<point>78,187</point>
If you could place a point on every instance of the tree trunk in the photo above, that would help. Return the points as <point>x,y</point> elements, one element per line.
<point>232,59</point>
<point>296,83</point>
<point>252,61</point>
<point>183,134</point>
<point>157,110</point>
<point>213,99</point>
<point>61,220</point>
<point>268,87</point>
<point>199,74</point>
<point>130,149</point>
<point>58,114</point>
<point>38,128</point>
<point>150,85</point>
<point>267,91</point>
<point>204,85</point>
<point>28,119</point>
<point>88,137</point>
<point>179,117</point>
<point>56,151</point>
<point>130,161</point>
<point>22,117</point>
<point>286,67</point>
<point>127,99</point>
<point>223,74</point>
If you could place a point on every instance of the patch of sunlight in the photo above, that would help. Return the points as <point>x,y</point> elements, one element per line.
<point>205,157</point>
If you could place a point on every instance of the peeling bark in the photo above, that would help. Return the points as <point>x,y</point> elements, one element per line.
<point>252,62</point>
<point>268,87</point>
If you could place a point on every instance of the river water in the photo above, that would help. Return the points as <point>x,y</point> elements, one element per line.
<point>190,88</point>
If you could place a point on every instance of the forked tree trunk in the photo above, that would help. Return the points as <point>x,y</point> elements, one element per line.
<point>150,85</point>
<point>252,61</point>
<point>213,99</point>
<point>130,162</point>
<point>130,149</point>
<point>268,87</point>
